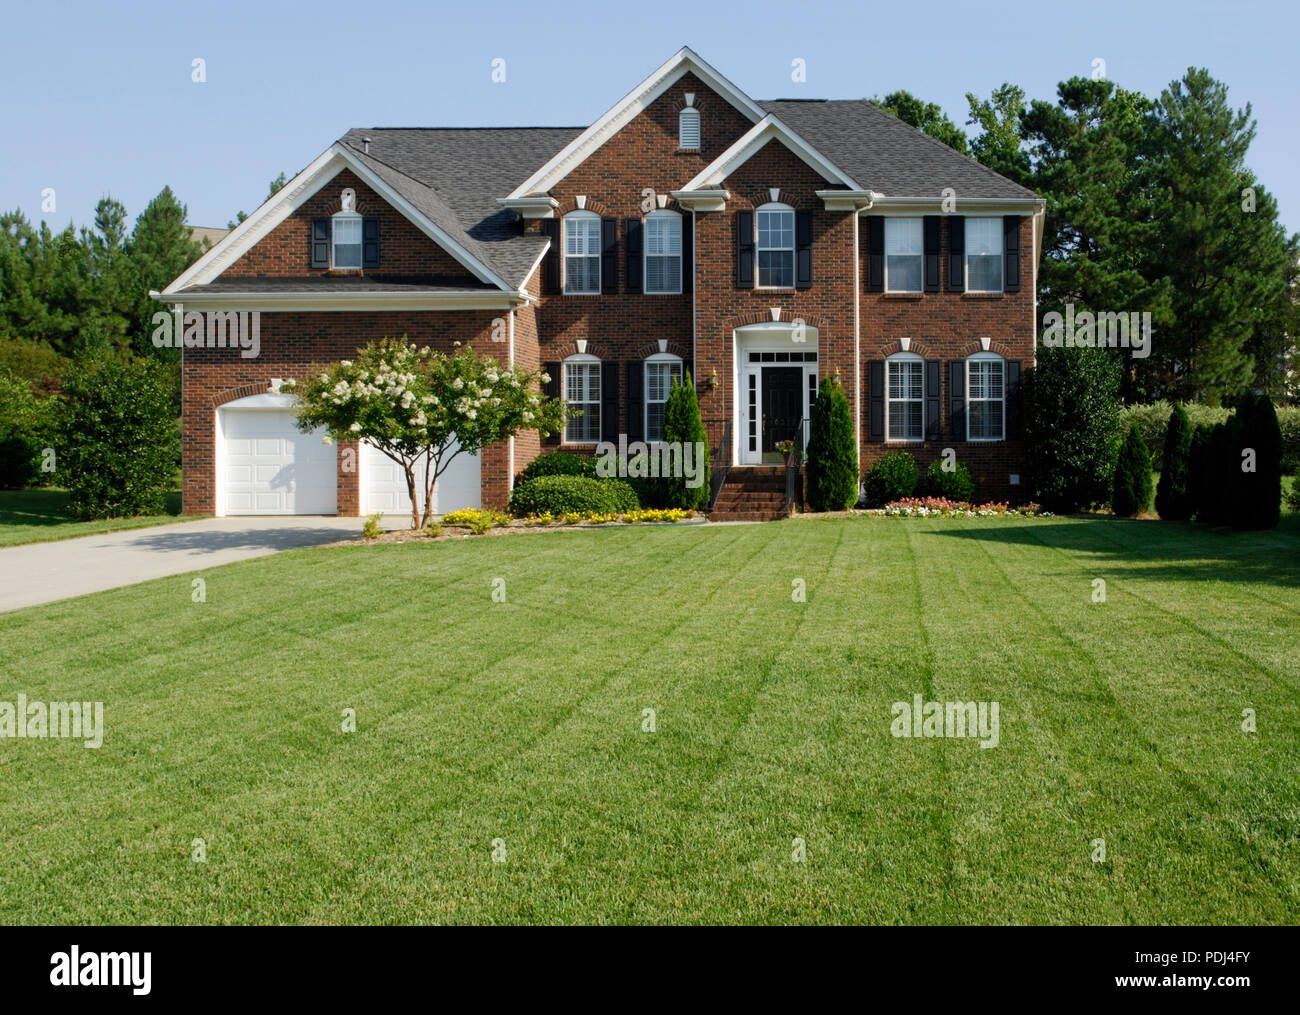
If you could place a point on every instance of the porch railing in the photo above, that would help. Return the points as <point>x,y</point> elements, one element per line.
<point>793,473</point>
<point>719,466</point>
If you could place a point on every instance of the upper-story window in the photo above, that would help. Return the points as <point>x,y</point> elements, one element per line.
<point>775,246</point>
<point>661,370</point>
<point>905,398</point>
<point>903,255</point>
<point>582,399</point>
<point>663,252</point>
<point>985,399</point>
<point>582,252</point>
<point>345,245</point>
<point>983,255</point>
<point>688,128</point>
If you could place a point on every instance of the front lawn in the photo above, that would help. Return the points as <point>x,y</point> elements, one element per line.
<point>518,726</point>
<point>41,515</point>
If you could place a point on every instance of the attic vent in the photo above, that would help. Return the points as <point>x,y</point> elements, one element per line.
<point>688,128</point>
<point>365,145</point>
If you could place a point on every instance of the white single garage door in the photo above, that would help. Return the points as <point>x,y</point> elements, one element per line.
<point>384,484</point>
<point>266,466</point>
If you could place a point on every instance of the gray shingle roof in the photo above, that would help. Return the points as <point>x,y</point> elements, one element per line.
<point>883,153</point>
<point>455,175</point>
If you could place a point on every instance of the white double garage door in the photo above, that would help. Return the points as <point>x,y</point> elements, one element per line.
<point>266,466</point>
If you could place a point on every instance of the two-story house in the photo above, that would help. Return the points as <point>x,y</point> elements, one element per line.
<point>761,246</point>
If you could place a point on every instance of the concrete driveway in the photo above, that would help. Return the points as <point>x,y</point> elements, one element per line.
<point>43,572</point>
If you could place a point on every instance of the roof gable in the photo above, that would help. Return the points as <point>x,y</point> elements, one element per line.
<point>759,136</point>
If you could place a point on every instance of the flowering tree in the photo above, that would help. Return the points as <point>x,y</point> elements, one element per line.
<point>423,408</point>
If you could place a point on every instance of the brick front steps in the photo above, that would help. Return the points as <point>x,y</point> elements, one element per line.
<point>751,494</point>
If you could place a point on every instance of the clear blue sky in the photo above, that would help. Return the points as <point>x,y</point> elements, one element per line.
<point>98,98</point>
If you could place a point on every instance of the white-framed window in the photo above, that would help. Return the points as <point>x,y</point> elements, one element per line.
<point>905,397</point>
<point>660,371</point>
<point>345,243</point>
<point>775,246</point>
<point>663,252</point>
<point>984,255</point>
<point>582,399</point>
<point>688,128</point>
<point>903,255</point>
<point>582,252</point>
<point>985,397</point>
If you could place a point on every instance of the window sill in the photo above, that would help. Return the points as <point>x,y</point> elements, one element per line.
<point>344,271</point>
<point>912,297</point>
<point>688,151</point>
<point>982,296</point>
<point>567,293</point>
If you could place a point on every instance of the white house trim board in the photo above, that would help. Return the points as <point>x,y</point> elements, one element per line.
<point>625,110</point>
<point>770,128</point>
<point>292,195</point>
<point>344,301</point>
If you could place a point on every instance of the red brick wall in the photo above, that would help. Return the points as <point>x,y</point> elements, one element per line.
<point>946,326</point>
<point>403,249</point>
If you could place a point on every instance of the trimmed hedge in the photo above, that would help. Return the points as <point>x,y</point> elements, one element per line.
<point>558,463</point>
<point>1131,492</point>
<point>564,494</point>
<point>958,484</point>
<point>893,477</point>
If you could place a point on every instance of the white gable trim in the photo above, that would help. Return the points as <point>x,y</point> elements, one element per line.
<point>285,201</point>
<point>767,129</point>
<point>622,112</point>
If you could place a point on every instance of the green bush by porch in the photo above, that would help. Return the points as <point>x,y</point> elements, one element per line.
<point>832,468</point>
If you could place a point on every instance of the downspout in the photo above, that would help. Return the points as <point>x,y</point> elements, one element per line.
<point>510,444</point>
<point>857,333</point>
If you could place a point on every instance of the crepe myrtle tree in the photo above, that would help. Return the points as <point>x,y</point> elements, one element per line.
<point>422,408</point>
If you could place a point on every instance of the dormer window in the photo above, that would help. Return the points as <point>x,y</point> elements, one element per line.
<point>688,128</point>
<point>345,246</point>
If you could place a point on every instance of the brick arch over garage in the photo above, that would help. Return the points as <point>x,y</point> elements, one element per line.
<point>243,391</point>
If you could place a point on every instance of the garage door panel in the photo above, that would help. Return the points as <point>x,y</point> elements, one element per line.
<point>384,484</point>
<point>269,467</point>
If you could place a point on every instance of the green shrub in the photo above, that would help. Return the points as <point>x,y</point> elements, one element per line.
<point>1131,493</point>
<point>683,426</point>
<point>558,463</point>
<point>118,439</point>
<point>1256,494</point>
<point>891,478</point>
<point>26,429</point>
<point>1173,496</point>
<point>832,467</point>
<point>1293,496</point>
<point>1208,479</point>
<point>560,495</point>
<point>958,484</point>
<point>1071,427</point>
<point>1152,419</point>
<point>1288,422</point>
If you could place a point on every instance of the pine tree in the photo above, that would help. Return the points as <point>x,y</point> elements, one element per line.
<point>832,453</point>
<point>1132,489</point>
<point>1173,496</point>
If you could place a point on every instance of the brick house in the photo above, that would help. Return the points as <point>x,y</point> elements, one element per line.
<point>761,246</point>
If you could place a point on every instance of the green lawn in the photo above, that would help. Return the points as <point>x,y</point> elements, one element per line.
<point>522,722</point>
<point>39,516</point>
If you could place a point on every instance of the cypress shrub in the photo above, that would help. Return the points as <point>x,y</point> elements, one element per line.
<point>1071,427</point>
<point>683,426</point>
<point>1173,496</point>
<point>832,454</point>
<point>1131,493</point>
<point>1255,493</point>
<point>1211,472</point>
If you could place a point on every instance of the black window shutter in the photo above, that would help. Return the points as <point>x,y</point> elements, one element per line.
<point>635,369</point>
<point>744,250</point>
<point>875,254</point>
<point>370,243</point>
<point>553,389</point>
<point>803,250</point>
<point>932,253</point>
<point>551,262</point>
<point>609,400</point>
<point>956,254</point>
<point>1011,253</point>
<point>609,255</point>
<point>688,254</point>
<point>876,401</point>
<point>632,253</point>
<point>957,399</point>
<point>320,243</point>
<point>933,369</point>
<point>1013,399</point>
